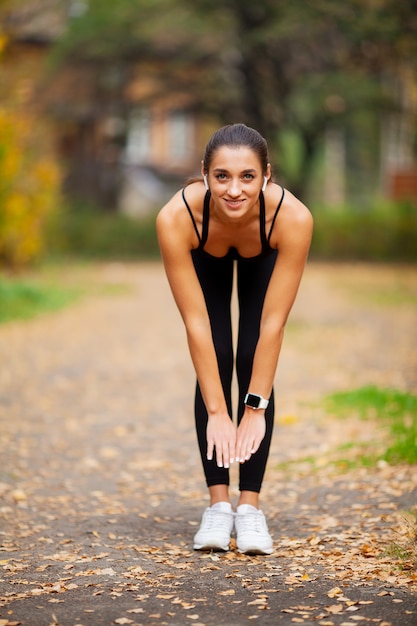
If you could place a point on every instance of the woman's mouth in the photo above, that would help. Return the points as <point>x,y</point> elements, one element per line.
<point>233,204</point>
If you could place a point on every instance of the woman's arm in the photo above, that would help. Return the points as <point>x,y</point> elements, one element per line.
<point>176,240</point>
<point>292,237</point>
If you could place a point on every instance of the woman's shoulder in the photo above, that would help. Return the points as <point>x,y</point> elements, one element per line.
<point>194,194</point>
<point>174,216</point>
<point>293,219</point>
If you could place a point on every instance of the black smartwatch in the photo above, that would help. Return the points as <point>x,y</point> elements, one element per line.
<point>255,401</point>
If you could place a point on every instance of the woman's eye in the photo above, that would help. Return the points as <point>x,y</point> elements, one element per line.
<point>246,177</point>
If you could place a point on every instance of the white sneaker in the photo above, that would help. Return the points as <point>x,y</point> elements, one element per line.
<point>252,531</point>
<point>216,528</point>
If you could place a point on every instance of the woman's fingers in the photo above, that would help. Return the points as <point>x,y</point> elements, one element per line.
<point>250,434</point>
<point>231,445</point>
<point>221,436</point>
<point>227,455</point>
<point>210,449</point>
<point>225,452</point>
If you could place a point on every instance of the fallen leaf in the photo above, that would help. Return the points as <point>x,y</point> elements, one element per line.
<point>257,602</point>
<point>335,608</point>
<point>55,601</point>
<point>18,495</point>
<point>107,571</point>
<point>333,593</point>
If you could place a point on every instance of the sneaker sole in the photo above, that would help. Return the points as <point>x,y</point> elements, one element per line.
<point>207,547</point>
<point>255,551</point>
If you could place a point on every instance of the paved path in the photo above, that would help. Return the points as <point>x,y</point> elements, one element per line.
<point>101,488</point>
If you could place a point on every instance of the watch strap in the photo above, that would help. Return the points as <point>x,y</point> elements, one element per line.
<point>256,401</point>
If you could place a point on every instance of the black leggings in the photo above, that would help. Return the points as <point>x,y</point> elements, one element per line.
<point>216,279</point>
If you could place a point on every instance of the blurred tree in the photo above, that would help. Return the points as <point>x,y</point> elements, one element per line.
<point>290,69</point>
<point>29,189</point>
<point>30,177</point>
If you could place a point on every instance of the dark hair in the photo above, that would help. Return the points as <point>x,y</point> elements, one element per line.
<point>236,136</point>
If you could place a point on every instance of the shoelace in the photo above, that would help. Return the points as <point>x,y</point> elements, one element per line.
<point>250,522</point>
<point>219,519</point>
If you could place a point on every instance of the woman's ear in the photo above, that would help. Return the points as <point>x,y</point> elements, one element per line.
<point>267,176</point>
<point>203,171</point>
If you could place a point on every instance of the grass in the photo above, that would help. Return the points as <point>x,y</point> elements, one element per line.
<point>22,299</point>
<point>405,549</point>
<point>395,411</point>
<point>53,287</point>
<point>394,415</point>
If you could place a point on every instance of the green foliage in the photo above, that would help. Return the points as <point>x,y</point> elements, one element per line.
<point>24,299</point>
<point>278,66</point>
<point>395,410</point>
<point>387,233</point>
<point>341,235</point>
<point>89,233</point>
<point>126,30</point>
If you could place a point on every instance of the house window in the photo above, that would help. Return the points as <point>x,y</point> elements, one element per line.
<point>138,144</point>
<point>180,135</point>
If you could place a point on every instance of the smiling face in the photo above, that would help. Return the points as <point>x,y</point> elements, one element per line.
<point>235,179</point>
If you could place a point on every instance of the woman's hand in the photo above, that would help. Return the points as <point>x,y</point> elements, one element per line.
<point>250,433</point>
<point>221,435</point>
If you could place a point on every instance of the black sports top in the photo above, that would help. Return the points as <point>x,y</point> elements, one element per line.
<point>233,253</point>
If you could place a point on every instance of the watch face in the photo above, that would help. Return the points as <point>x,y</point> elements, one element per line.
<point>252,400</point>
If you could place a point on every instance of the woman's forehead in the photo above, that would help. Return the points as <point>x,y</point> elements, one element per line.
<point>235,157</point>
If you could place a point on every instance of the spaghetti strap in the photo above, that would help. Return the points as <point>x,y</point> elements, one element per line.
<point>275,215</point>
<point>206,216</point>
<point>191,215</point>
<point>262,221</point>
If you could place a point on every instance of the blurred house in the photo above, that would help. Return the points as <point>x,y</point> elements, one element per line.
<point>398,140</point>
<point>26,34</point>
<point>126,143</point>
<point>128,138</point>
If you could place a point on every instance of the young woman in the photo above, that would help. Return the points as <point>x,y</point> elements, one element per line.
<point>237,216</point>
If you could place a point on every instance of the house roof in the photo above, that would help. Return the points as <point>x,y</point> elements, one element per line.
<point>35,21</point>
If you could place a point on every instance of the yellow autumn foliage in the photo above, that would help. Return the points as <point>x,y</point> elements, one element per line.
<point>30,184</point>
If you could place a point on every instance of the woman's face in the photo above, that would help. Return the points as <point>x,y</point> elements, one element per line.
<point>235,179</point>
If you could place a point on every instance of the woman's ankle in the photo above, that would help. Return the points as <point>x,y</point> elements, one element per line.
<point>219,493</point>
<point>249,497</point>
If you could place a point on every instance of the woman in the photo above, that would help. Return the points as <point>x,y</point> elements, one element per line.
<point>235,216</point>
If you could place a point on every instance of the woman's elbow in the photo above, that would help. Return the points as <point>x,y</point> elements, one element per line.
<point>273,329</point>
<point>196,326</point>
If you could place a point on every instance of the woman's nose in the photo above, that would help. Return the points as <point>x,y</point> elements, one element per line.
<point>234,187</point>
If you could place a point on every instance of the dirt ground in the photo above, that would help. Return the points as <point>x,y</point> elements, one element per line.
<point>101,488</point>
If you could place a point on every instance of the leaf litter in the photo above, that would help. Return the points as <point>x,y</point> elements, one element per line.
<point>87,499</point>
